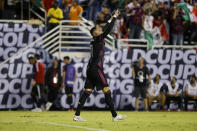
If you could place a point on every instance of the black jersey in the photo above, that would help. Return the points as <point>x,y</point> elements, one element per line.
<point>140,76</point>
<point>98,46</point>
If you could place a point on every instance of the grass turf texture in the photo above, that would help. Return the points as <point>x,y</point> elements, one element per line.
<point>62,120</point>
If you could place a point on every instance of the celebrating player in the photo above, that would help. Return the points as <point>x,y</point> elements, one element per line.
<point>95,75</point>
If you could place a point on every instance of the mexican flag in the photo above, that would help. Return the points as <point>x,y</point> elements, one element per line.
<point>190,12</point>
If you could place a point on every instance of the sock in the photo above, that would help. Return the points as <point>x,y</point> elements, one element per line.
<point>110,103</point>
<point>82,102</point>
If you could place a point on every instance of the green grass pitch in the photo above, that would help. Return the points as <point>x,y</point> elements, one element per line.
<point>97,121</point>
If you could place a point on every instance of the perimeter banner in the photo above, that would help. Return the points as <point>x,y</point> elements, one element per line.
<point>16,75</point>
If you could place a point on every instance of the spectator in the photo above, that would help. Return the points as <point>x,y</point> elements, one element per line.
<point>47,4</point>
<point>135,22</point>
<point>66,4</point>
<point>173,93</point>
<point>68,79</point>
<point>53,83</point>
<point>55,14</point>
<point>118,27</point>
<point>191,91</point>
<point>101,19</point>
<point>92,9</point>
<point>165,11</point>
<point>148,27</point>
<point>156,92</point>
<point>177,22</point>
<point>106,12</point>
<point>193,29</point>
<point>75,12</point>
<point>38,83</point>
<point>139,73</point>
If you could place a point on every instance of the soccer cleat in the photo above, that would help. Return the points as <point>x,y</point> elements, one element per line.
<point>119,117</point>
<point>37,110</point>
<point>78,118</point>
<point>179,110</point>
<point>169,110</point>
<point>48,106</point>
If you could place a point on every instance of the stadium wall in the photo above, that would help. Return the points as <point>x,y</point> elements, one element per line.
<point>16,76</point>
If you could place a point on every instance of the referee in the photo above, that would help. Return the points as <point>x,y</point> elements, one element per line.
<point>95,75</point>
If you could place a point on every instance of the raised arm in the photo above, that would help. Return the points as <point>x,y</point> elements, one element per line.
<point>108,27</point>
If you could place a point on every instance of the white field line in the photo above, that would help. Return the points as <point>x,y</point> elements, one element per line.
<point>64,125</point>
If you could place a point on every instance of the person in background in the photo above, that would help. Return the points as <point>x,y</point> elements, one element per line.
<point>155,92</point>
<point>177,26</point>
<point>66,5</point>
<point>53,81</point>
<point>92,9</point>
<point>106,12</point>
<point>47,4</point>
<point>101,19</point>
<point>135,22</point>
<point>140,74</point>
<point>55,14</point>
<point>75,12</point>
<point>191,91</point>
<point>37,84</point>
<point>68,80</point>
<point>173,93</point>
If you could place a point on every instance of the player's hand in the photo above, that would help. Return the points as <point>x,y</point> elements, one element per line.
<point>33,83</point>
<point>117,13</point>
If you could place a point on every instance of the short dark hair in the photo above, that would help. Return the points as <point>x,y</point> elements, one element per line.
<point>193,76</point>
<point>92,30</point>
<point>67,57</point>
<point>37,56</point>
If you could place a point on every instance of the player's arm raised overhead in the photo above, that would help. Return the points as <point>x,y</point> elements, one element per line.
<point>108,27</point>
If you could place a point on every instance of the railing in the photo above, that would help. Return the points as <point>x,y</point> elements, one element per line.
<point>42,18</point>
<point>122,43</point>
<point>65,38</point>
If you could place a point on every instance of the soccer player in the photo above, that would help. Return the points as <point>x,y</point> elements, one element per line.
<point>191,91</point>
<point>53,81</point>
<point>155,92</point>
<point>173,93</point>
<point>139,73</point>
<point>95,74</point>
<point>38,83</point>
<point>68,80</point>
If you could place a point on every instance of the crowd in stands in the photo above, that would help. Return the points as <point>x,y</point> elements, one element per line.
<point>158,21</point>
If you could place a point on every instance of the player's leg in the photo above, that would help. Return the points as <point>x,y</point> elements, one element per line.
<point>136,94</point>
<point>150,100</point>
<point>168,102</point>
<point>33,95</point>
<point>144,96</point>
<point>69,93</point>
<point>52,95</point>
<point>88,90</point>
<point>110,103</point>
<point>178,99</point>
<point>163,100</point>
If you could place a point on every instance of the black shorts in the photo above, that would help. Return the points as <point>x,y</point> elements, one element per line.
<point>69,90</point>
<point>140,91</point>
<point>95,78</point>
